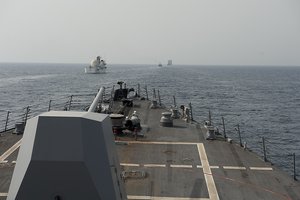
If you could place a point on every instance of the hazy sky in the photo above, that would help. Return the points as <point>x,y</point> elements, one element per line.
<point>249,32</point>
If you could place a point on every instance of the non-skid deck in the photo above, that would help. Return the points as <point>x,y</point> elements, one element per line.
<point>181,164</point>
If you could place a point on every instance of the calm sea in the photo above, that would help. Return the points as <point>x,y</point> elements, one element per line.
<point>264,101</point>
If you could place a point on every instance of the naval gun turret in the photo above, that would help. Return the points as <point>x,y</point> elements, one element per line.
<point>67,155</point>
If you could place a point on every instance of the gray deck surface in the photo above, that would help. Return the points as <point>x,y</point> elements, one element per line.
<point>183,177</point>
<point>172,159</point>
<point>7,140</point>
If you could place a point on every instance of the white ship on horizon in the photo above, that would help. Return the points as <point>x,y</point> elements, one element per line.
<point>97,66</point>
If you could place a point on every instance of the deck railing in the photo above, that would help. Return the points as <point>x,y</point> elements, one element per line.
<point>269,150</point>
<point>78,102</point>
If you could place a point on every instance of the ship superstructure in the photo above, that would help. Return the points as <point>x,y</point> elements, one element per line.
<point>97,66</point>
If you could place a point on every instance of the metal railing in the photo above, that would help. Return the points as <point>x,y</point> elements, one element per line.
<point>9,119</point>
<point>76,102</point>
<point>268,150</point>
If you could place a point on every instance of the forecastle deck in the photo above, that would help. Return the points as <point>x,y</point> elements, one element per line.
<point>178,163</point>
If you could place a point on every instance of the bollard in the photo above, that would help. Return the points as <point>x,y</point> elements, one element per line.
<point>224,131</point>
<point>6,122</point>
<point>264,149</point>
<point>159,100</point>
<point>154,93</point>
<point>166,120</point>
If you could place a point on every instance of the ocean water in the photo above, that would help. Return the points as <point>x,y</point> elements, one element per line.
<point>264,101</point>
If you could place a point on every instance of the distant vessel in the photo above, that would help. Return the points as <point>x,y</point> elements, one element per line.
<point>169,62</point>
<point>160,65</point>
<point>97,66</point>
